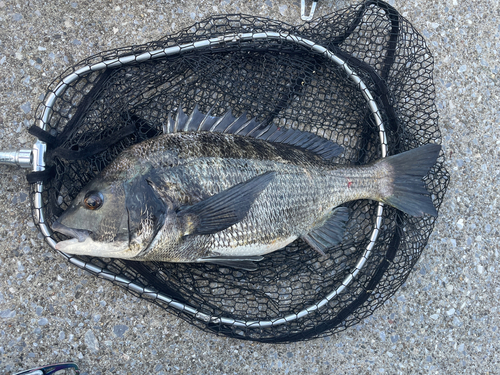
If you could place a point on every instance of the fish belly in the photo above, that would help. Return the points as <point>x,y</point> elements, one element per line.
<point>256,249</point>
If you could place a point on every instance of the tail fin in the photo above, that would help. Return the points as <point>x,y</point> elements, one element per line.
<point>408,191</point>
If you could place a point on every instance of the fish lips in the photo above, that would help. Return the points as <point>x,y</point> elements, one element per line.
<point>80,234</point>
<point>81,243</point>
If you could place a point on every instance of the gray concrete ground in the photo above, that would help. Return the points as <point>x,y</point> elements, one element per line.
<point>444,320</point>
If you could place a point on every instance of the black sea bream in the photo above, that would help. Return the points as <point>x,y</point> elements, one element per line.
<point>226,191</point>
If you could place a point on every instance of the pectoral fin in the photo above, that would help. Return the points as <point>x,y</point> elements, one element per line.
<point>244,263</point>
<point>222,210</point>
<point>330,233</point>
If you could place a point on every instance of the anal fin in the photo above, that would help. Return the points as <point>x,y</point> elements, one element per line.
<point>330,233</point>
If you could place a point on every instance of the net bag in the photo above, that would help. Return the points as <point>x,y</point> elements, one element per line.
<point>361,77</point>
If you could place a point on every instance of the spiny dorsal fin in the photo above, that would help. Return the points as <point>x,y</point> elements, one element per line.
<point>180,120</point>
<point>223,122</point>
<point>194,120</point>
<point>229,124</point>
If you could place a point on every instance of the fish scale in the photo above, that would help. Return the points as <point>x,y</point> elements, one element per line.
<point>216,196</point>
<point>273,218</point>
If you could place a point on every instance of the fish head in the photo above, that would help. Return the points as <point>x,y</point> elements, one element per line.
<point>96,221</point>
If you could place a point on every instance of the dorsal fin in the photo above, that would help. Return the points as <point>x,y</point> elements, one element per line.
<point>223,122</point>
<point>229,124</point>
<point>180,120</point>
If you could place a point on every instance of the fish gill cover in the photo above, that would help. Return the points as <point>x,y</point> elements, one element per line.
<point>282,75</point>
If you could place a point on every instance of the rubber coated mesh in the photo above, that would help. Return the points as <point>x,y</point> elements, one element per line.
<point>277,81</point>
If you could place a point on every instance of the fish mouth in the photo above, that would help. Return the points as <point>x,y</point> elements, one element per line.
<point>80,234</point>
<point>81,243</point>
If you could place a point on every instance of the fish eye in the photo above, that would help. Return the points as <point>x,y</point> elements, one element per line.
<point>93,200</point>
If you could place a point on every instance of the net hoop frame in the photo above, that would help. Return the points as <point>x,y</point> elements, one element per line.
<point>39,149</point>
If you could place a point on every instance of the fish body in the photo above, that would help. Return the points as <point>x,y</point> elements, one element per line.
<point>198,195</point>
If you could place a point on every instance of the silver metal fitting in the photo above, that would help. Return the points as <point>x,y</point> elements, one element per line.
<point>22,158</point>
<point>303,10</point>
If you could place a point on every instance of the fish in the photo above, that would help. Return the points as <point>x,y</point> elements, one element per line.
<point>228,190</point>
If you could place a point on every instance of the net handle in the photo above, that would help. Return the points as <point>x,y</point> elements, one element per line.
<point>39,150</point>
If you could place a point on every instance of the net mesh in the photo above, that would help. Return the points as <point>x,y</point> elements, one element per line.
<point>112,106</point>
